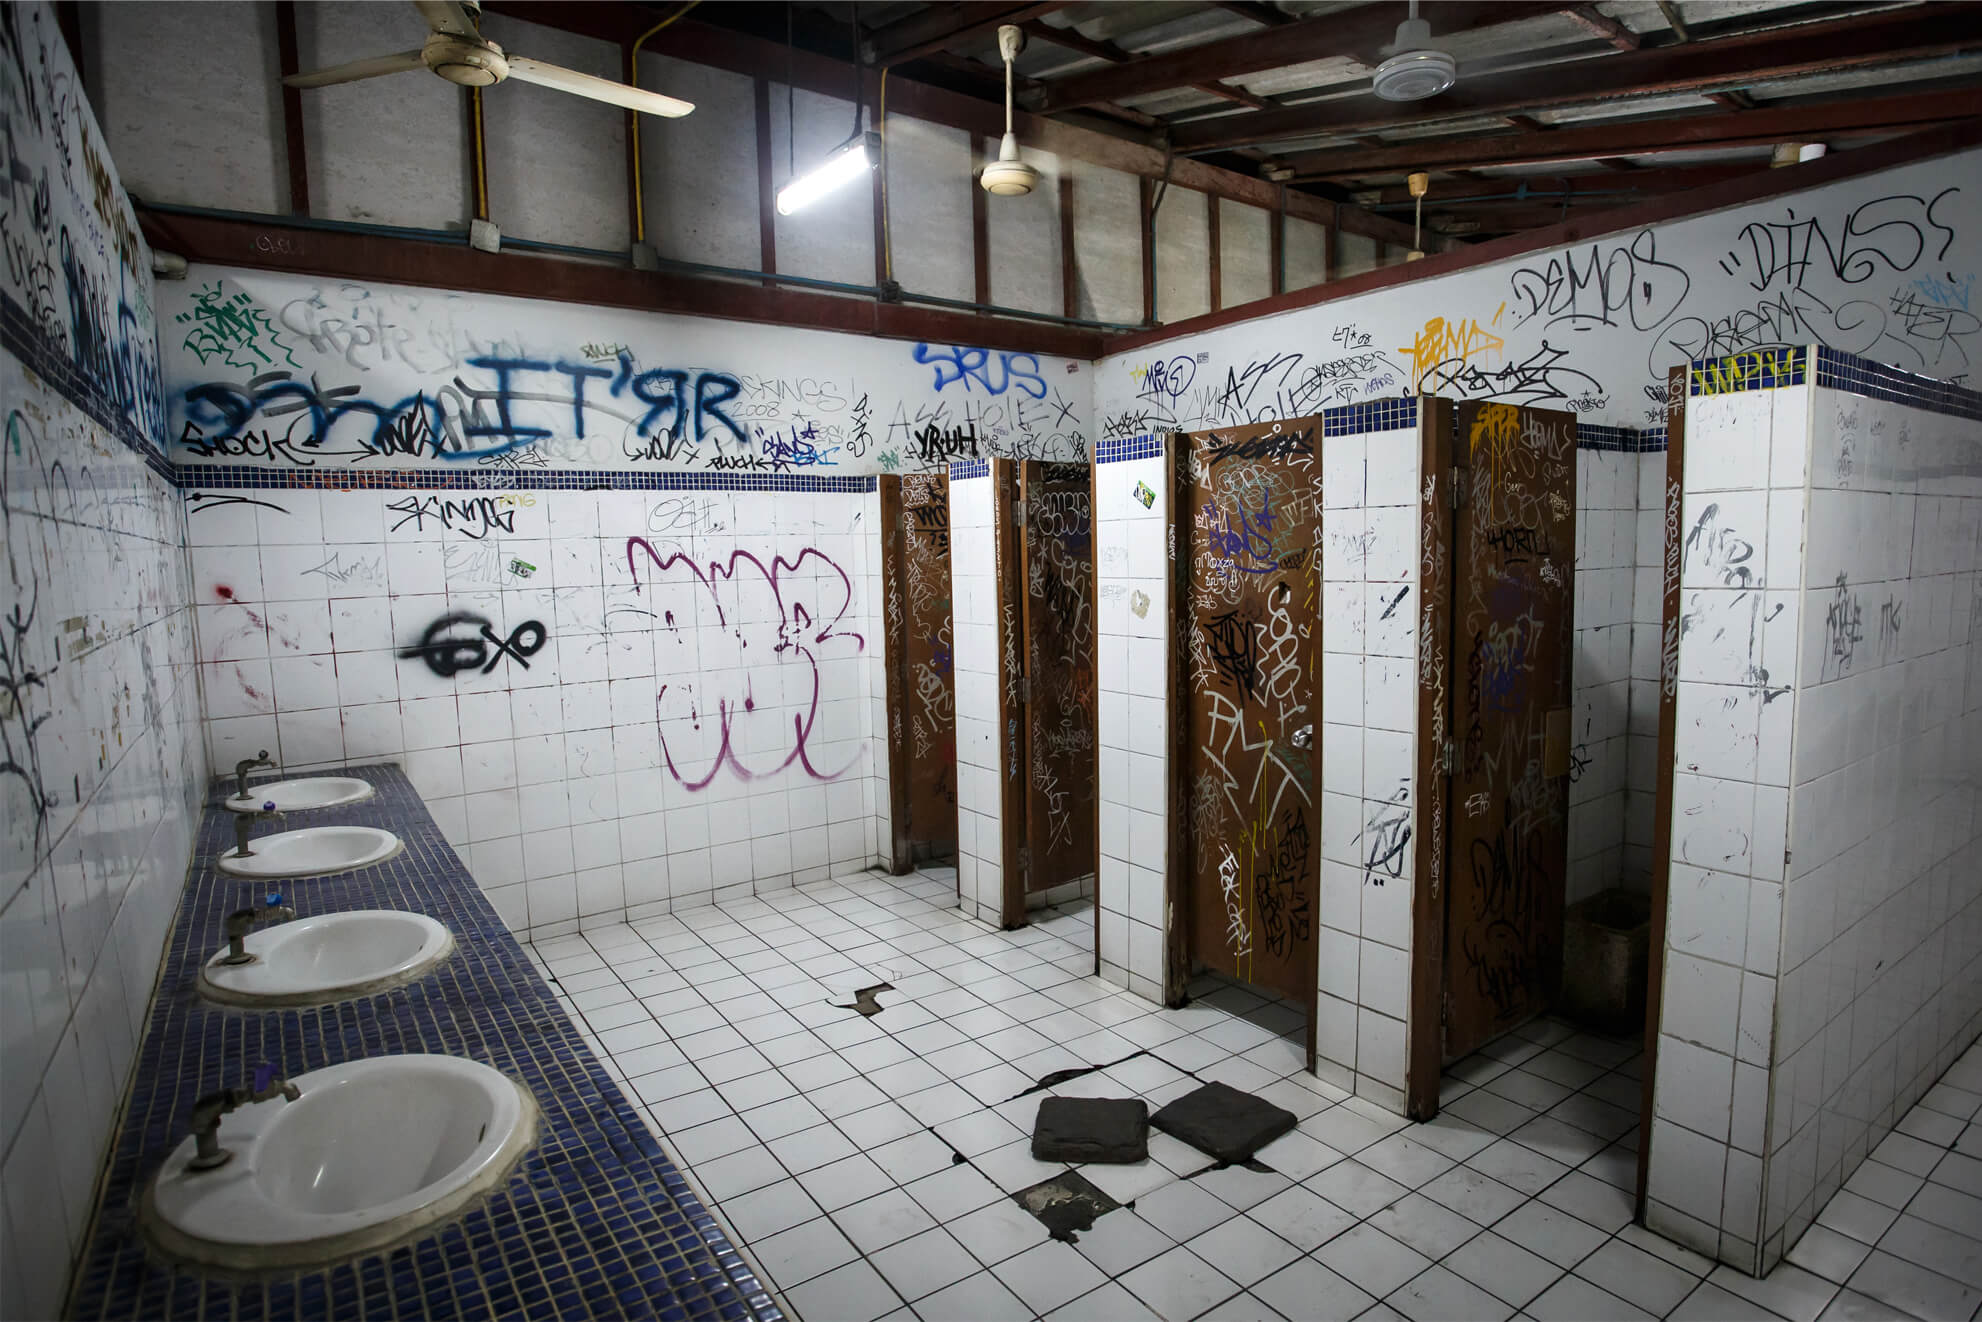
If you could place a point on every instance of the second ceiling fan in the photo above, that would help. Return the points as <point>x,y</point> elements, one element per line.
<point>457,51</point>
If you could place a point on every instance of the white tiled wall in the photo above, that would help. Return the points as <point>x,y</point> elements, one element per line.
<point>1647,606</point>
<point>1740,568</point>
<point>102,771</point>
<point>1133,578</point>
<point>1824,923</point>
<point>100,798</point>
<point>1607,527</point>
<point>590,783</point>
<point>1369,712</point>
<point>974,590</point>
<point>1881,982</point>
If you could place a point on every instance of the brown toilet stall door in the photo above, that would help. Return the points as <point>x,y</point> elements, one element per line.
<point>1058,608</point>
<point>922,735</point>
<point>1513,639</point>
<point>1249,518</point>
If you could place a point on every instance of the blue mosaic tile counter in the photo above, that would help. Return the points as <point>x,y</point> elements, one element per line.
<point>594,1222</point>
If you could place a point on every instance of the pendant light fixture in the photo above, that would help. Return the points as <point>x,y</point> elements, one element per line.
<point>1420,184</point>
<point>1008,176</point>
<point>860,152</point>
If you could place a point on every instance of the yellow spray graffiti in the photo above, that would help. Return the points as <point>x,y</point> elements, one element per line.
<point>1449,343</point>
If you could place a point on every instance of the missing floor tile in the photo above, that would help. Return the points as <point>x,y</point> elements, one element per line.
<point>862,999</point>
<point>1065,1204</point>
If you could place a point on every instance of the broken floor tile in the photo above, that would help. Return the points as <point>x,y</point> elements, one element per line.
<point>1221,1120</point>
<point>1078,1129</point>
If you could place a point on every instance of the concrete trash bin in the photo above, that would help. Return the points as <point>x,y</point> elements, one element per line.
<point>1606,942</point>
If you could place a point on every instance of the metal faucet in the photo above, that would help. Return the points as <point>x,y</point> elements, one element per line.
<point>244,766</point>
<point>207,1111</point>
<point>242,921</point>
<point>244,822</point>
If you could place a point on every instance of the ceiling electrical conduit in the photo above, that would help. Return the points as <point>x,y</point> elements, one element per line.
<point>633,120</point>
<point>609,257</point>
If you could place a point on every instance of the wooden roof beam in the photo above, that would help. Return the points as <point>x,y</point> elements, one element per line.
<point>1883,37</point>
<point>1108,50</point>
<point>943,25</point>
<point>1263,14</point>
<point>1598,23</point>
<point>1680,31</point>
<point>1732,99</point>
<point>1764,127</point>
<point>1354,31</point>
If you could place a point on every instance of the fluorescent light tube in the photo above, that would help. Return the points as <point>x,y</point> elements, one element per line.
<point>847,163</point>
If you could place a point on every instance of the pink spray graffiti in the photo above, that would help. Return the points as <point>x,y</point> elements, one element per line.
<point>808,597</point>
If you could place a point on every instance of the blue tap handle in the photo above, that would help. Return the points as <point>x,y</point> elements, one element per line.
<point>273,899</point>
<point>268,805</point>
<point>264,1076</point>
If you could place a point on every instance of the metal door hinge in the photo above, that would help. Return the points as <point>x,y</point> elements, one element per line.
<point>1458,487</point>
<point>1025,860</point>
<point>1018,514</point>
<point>1448,757</point>
<point>1025,688</point>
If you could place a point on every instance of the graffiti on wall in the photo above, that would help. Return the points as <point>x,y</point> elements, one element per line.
<point>1884,268</point>
<point>284,372</point>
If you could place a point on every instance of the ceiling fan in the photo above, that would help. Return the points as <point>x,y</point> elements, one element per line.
<point>457,51</point>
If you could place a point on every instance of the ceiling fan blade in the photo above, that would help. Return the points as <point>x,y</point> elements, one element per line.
<point>599,89</point>
<point>446,16</point>
<point>376,67</point>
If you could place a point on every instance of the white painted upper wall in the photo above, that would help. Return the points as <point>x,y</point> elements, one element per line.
<point>1881,265</point>
<point>291,372</point>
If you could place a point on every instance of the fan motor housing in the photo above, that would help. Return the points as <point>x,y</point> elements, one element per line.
<point>464,60</point>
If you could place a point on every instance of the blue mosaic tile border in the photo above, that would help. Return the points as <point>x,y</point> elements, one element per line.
<point>20,337</point>
<point>964,469</point>
<point>236,477</point>
<point>1595,436</point>
<point>1371,415</point>
<point>1122,449</point>
<point>1752,369</point>
<point>596,1220</point>
<point>1862,376</point>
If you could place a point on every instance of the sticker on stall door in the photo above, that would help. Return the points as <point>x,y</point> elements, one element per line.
<point>522,568</point>
<point>1145,495</point>
<point>1139,603</point>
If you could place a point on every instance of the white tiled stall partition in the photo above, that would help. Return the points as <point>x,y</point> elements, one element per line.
<point>101,766</point>
<point>1824,787</point>
<point>1133,574</point>
<point>613,702</point>
<point>974,592</point>
<point>1370,457</point>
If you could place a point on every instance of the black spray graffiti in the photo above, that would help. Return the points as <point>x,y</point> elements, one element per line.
<point>460,640</point>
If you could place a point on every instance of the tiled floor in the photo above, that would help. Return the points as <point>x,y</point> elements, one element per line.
<point>865,1164</point>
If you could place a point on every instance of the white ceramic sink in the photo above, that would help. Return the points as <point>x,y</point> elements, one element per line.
<point>314,851</point>
<point>303,795</point>
<point>328,957</point>
<point>374,1151</point>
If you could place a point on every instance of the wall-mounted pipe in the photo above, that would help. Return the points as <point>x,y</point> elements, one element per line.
<point>608,256</point>
<point>481,154</point>
<point>633,119</point>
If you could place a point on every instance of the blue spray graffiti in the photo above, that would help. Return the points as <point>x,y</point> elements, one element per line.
<point>983,369</point>
<point>458,421</point>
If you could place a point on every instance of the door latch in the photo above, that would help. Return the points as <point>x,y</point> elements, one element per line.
<point>1303,737</point>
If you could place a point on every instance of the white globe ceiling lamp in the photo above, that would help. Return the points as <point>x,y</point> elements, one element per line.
<point>1417,70</point>
<point>1008,176</point>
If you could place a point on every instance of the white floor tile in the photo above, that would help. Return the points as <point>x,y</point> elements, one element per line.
<point>1179,1284</point>
<point>1244,1250</point>
<point>1437,1295</point>
<point>924,1264</point>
